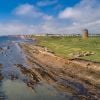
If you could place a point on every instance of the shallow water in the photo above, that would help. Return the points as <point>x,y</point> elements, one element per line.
<point>12,81</point>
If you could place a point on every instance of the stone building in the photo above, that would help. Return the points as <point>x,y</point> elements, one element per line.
<point>85,34</point>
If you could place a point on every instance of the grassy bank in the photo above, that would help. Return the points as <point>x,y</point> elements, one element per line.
<point>69,46</point>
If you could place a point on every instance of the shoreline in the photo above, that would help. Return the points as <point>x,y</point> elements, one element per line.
<point>62,73</point>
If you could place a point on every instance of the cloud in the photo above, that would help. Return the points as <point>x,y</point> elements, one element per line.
<point>46,2</point>
<point>13,28</point>
<point>85,11</point>
<point>30,11</point>
<point>69,13</point>
<point>24,9</point>
<point>83,15</point>
<point>94,27</point>
<point>16,28</point>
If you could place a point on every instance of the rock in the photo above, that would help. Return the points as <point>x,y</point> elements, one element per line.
<point>1,49</point>
<point>1,77</point>
<point>47,50</point>
<point>81,54</point>
<point>0,65</point>
<point>8,47</point>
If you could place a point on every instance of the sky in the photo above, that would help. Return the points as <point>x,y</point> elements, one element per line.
<point>49,16</point>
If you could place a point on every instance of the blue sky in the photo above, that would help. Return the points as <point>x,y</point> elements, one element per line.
<point>49,16</point>
<point>6,6</point>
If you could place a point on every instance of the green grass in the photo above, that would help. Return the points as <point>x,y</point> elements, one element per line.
<point>64,46</point>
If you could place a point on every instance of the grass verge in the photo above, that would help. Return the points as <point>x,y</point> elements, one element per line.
<point>68,46</point>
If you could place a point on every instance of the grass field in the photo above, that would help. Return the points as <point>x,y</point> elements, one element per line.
<point>67,46</point>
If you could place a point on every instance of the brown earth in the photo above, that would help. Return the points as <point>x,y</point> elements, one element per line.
<point>75,77</point>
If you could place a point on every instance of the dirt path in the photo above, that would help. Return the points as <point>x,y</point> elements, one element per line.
<point>78,78</point>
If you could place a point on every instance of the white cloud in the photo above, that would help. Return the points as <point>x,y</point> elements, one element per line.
<point>85,11</point>
<point>69,13</point>
<point>46,17</point>
<point>13,28</point>
<point>94,27</point>
<point>30,11</point>
<point>46,27</point>
<point>47,2</point>
<point>24,9</point>
<point>70,20</point>
<point>16,28</point>
<point>83,15</point>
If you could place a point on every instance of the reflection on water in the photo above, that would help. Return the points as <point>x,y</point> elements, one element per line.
<point>17,90</point>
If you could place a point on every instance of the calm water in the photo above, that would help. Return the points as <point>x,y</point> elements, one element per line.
<point>12,86</point>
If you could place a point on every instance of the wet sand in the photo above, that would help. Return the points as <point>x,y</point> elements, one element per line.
<point>78,78</point>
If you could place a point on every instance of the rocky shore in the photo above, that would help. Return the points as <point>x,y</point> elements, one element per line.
<point>76,77</point>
